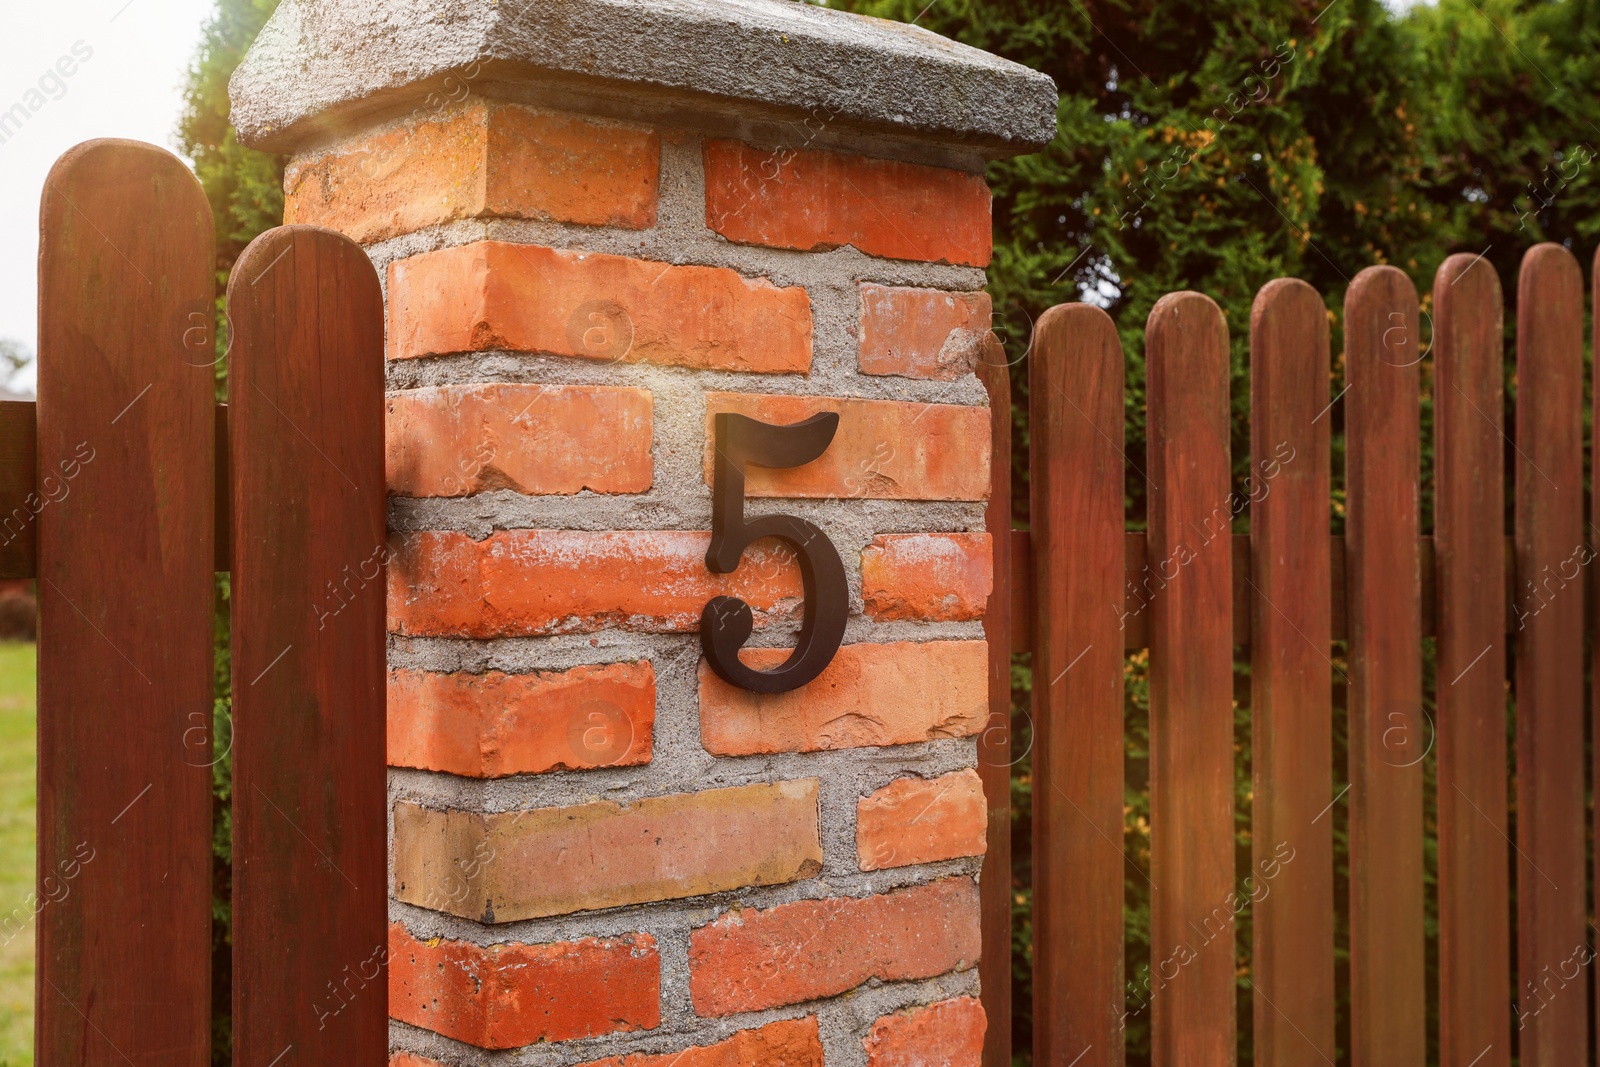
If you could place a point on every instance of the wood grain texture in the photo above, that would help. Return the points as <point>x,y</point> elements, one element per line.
<point>1076,390</point>
<point>1135,556</point>
<point>20,498</point>
<point>1552,925</point>
<point>994,744</point>
<point>1469,542</point>
<point>309,885</point>
<point>125,636</point>
<point>1191,683</point>
<point>1291,677</point>
<point>1390,733</point>
<point>1594,511</point>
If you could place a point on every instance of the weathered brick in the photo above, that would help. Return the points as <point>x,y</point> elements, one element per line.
<point>787,1043</point>
<point>884,450</point>
<point>483,160</point>
<point>891,694</point>
<point>946,1034</point>
<point>535,582</point>
<point>750,960</point>
<point>510,995</point>
<point>524,298</point>
<point>941,577</point>
<point>922,333</point>
<point>411,1059</point>
<point>918,820</point>
<point>456,440</point>
<point>814,200</point>
<point>507,866</point>
<point>492,725</point>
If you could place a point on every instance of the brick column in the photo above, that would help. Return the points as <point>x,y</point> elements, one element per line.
<point>601,223</point>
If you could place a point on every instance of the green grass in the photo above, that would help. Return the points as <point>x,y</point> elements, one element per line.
<point>17,738</point>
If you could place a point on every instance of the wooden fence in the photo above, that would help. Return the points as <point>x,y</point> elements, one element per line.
<point>1085,590</point>
<point>130,490</point>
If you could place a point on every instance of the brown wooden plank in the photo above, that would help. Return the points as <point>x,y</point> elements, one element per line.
<point>224,510</point>
<point>1078,864</point>
<point>125,641</point>
<point>1021,617</point>
<point>1291,676</point>
<point>20,499</point>
<point>309,885</point>
<point>1551,552</point>
<point>1191,683</point>
<point>994,745</point>
<point>1474,923</point>
<point>1594,465</point>
<point>1390,734</point>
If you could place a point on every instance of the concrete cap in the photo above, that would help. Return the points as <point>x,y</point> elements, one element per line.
<point>322,67</point>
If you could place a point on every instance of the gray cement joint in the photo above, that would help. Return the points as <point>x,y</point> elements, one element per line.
<point>828,378</point>
<point>514,655</point>
<point>846,775</point>
<point>674,509</point>
<point>667,919</point>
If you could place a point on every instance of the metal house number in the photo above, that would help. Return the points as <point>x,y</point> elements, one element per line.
<point>726,622</point>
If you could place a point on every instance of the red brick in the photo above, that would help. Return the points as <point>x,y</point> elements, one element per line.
<point>893,694</point>
<point>410,1059</point>
<point>788,1043</point>
<point>922,333</point>
<point>510,995</point>
<point>917,820</point>
<point>484,160</point>
<point>940,577</point>
<point>814,200</point>
<point>456,440</point>
<point>523,298</point>
<point>750,960</point>
<point>946,1034</point>
<point>508,866</point>
<point>492,725</point>
<point>884,450</point>
<point>535,582</point>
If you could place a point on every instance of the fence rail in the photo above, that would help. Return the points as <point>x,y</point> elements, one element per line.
<point>1198,596</point>
<point>133,488</point>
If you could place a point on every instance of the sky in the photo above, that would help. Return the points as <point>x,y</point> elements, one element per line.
<point>130,86</point>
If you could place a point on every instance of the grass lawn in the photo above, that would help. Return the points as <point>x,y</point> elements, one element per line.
<point>17,719</point>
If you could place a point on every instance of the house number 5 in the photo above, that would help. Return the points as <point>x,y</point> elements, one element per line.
<point>726,622</point>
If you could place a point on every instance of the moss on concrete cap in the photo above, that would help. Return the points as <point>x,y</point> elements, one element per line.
<point>322,68</point>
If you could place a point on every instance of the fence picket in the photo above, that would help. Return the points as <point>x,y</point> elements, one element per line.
<point>1191,683</point>
<point>1291,677</point>
<point>310,886</point>
<point>1552,926</point>
<point>1594,545</point>
<point>1389,735</point>
<point>1469,543</point>
<point>1076,390</point>
<point>994,744</point>
<point>125,616</point>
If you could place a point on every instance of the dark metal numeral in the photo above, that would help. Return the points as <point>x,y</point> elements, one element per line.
<point>726,622</point>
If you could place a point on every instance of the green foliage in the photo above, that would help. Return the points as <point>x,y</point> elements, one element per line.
<point>245,188</point>
<point>18,903</point>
